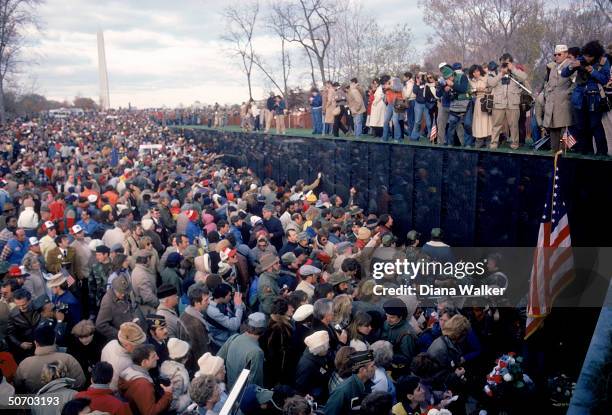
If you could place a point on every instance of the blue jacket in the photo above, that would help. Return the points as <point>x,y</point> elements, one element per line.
<point>445,96</point>
<point>279,109</point>
<point>317,101</point>
<point>590,90</point>
<point>229,322</point>
<point>270,103</point>
<point>18,251</point>
<point>90,228</point>
<point>237,235</point>
<point>74,307</point>
<point>192,231</point>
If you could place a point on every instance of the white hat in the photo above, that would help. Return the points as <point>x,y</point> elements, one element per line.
<point>209,364</point>
<point>147,224</point>
<point>254,219</point>
<point>33,241</point>
<point>253,186</point>
<point>121,207</point>
<point>177,348</point>
<point>317,339</point>
<point>92,198</point>
<point>56,280</point>
<point>94,243</point>
<point>303,312</point>
<point>561,48</point>
<point>76,229</point>
<point>49,224</point>
<point>442,64</point>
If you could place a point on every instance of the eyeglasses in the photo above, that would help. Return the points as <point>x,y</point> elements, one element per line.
<point>558,54</point>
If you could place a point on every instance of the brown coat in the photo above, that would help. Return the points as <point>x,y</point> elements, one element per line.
<point>355,100</point>
<point>54,260</point>
<point>557,94</point>
<point>198,339</point>
<point>27,378</point>
<point>330,104</point>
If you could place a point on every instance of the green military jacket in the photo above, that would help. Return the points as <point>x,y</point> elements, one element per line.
<point>267,290</point>
<point>97,282</point>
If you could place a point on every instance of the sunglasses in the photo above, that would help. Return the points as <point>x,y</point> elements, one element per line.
<point>558,54</point>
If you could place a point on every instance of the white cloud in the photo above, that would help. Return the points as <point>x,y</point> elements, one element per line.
<point>157,52</point>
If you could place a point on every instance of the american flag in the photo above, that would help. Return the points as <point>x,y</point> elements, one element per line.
<point>434,132</point>
<point>553,261</point>
<point>568,139</point>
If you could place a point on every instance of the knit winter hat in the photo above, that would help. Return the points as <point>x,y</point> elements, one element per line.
<point>446,72</point>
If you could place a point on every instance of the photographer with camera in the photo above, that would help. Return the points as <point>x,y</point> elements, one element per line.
<point>506,100</point>
<point>64,300</point>
<point>460,109</point>
<point>592,73</point>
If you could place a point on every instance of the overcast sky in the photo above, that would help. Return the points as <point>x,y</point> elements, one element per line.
<point>167,54</point>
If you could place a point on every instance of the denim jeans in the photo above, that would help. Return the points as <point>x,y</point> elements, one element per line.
<point>327,128</point>
<point>454,119</point>
<point>419,111</point>
<point>409,125</point>
<point>357,120</point>
<point>391,115</point>
<point>317,120</point>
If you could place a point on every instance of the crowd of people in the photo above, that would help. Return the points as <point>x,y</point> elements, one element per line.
<point>480,105</point>
<point>146,282</point>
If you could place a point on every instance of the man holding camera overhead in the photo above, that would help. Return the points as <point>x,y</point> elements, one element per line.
<point>506,100</point>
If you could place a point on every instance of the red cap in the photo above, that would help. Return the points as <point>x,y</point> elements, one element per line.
<point>15,272</point>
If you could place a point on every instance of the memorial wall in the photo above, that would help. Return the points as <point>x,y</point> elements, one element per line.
<point>478,197</point>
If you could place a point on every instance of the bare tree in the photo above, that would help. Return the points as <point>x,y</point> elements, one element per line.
<point>15,16</point>
<point>241,19</point>
<point>309,23</point>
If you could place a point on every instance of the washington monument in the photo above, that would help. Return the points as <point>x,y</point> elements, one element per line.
<point>102,73</point>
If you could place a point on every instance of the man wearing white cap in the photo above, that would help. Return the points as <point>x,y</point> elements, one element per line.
<point>557,92</point>
<point>82,253</point>
<point>314,369</point>
<point>47,242</point>
<point>242,351</point>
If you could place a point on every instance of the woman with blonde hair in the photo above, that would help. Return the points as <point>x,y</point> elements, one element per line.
<point>57,384</point>
<point>342,307</point>
<point>360,328</point>
<point>445,349</point>
<point>35,282</point>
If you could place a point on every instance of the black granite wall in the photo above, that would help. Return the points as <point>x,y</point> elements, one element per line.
<point>478,198</point>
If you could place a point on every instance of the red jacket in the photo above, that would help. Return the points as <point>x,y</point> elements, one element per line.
<point>140,393</point>
<point>104,401</point>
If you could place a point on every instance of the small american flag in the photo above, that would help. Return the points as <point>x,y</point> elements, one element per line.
<point>434,133</point>
<point>553,261</point>
<point>568,139</point>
